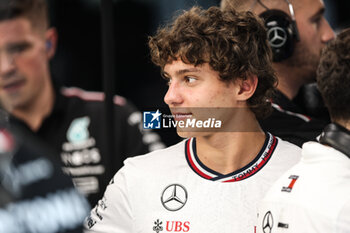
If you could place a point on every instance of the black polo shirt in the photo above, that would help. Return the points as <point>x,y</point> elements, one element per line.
<point>289,122</point>
<point>76,129</point>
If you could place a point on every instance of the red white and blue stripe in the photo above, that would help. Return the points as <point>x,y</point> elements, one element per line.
<point>247,171</point>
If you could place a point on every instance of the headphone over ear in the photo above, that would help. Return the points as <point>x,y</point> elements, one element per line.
<point>337,137</point>
<point>282,31</point>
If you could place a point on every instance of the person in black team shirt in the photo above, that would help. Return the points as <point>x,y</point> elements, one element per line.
<point>295,60</point>
<point>68,119</point>
<point>35,195</point>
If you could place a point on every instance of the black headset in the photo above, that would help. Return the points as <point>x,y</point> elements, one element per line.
<point>282,31</point>
<point>337,137</point>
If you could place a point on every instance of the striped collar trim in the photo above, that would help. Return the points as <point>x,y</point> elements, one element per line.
<point>247,171</point>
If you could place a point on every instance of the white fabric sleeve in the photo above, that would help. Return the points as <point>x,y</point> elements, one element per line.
<point>343,221</point>
<point>113,212</point>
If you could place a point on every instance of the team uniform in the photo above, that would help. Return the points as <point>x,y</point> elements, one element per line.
<point>76,129</point>
<point>313,196</point>
<point>170,190</point>
<point>289,122</point>
<point>35,194</point>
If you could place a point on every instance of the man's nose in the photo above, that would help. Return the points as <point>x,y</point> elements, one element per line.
<point>7,64</point>
<point>173,97</point>
<point>327,32</point>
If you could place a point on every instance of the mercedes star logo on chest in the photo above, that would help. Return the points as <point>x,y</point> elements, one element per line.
<point>174,197</point>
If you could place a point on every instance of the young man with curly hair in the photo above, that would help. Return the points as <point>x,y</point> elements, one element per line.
<point>212,181</point>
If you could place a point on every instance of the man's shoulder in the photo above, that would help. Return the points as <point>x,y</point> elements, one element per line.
<point>92,97</point>
<point>158,158</point>
<point>292,126</point>
<point>77,99</point>
<point>286,146</point>
<point>312,180</point>
<point>153,166</point>
<point>286,154</point>
<point>286,110</point>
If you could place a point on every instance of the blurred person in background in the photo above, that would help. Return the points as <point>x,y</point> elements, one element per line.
<point>297,31</point>
<point>35,195</point>
<point>68,119</point>
<point>314,195</point>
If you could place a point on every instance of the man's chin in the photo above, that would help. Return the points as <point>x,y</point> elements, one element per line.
<point>189,133</point>
<point>9,104</point>
<point>310,76</point>
<point>184,134</point>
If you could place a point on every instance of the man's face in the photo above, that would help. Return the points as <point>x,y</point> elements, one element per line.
<point>197,92</point>
<point>23,63</point>
<point>314,33</point>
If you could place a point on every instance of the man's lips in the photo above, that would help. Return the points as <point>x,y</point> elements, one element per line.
<point>13,86</point>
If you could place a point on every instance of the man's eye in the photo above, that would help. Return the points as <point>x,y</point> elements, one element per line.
<point>190,79</point>
<point>18,48</point>
<point>317,20</point>
<point>168,80</point>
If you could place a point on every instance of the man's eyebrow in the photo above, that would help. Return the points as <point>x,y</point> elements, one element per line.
<point>183,71</point>
<point>180,72</point>
<point>319,13</point>
<point>18,43</point>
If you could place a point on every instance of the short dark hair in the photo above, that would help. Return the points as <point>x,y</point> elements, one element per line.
<point>34,10</point>
<point>333,76</point>
<point>233,43</point>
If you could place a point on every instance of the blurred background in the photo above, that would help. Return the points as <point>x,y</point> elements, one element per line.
<point>78,61</point>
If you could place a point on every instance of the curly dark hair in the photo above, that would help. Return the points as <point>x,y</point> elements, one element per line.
<point>34,10</point>
<point>233,43</point>
<point>333,76</point>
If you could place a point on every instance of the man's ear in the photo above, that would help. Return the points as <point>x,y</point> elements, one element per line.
<point>51,42</point>
<point>247,87</point>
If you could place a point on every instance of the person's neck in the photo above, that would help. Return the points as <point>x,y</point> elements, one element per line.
<point>344,123</point>
<point>226,152</point>
<point>34,113</point>
<point>289,80</point>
